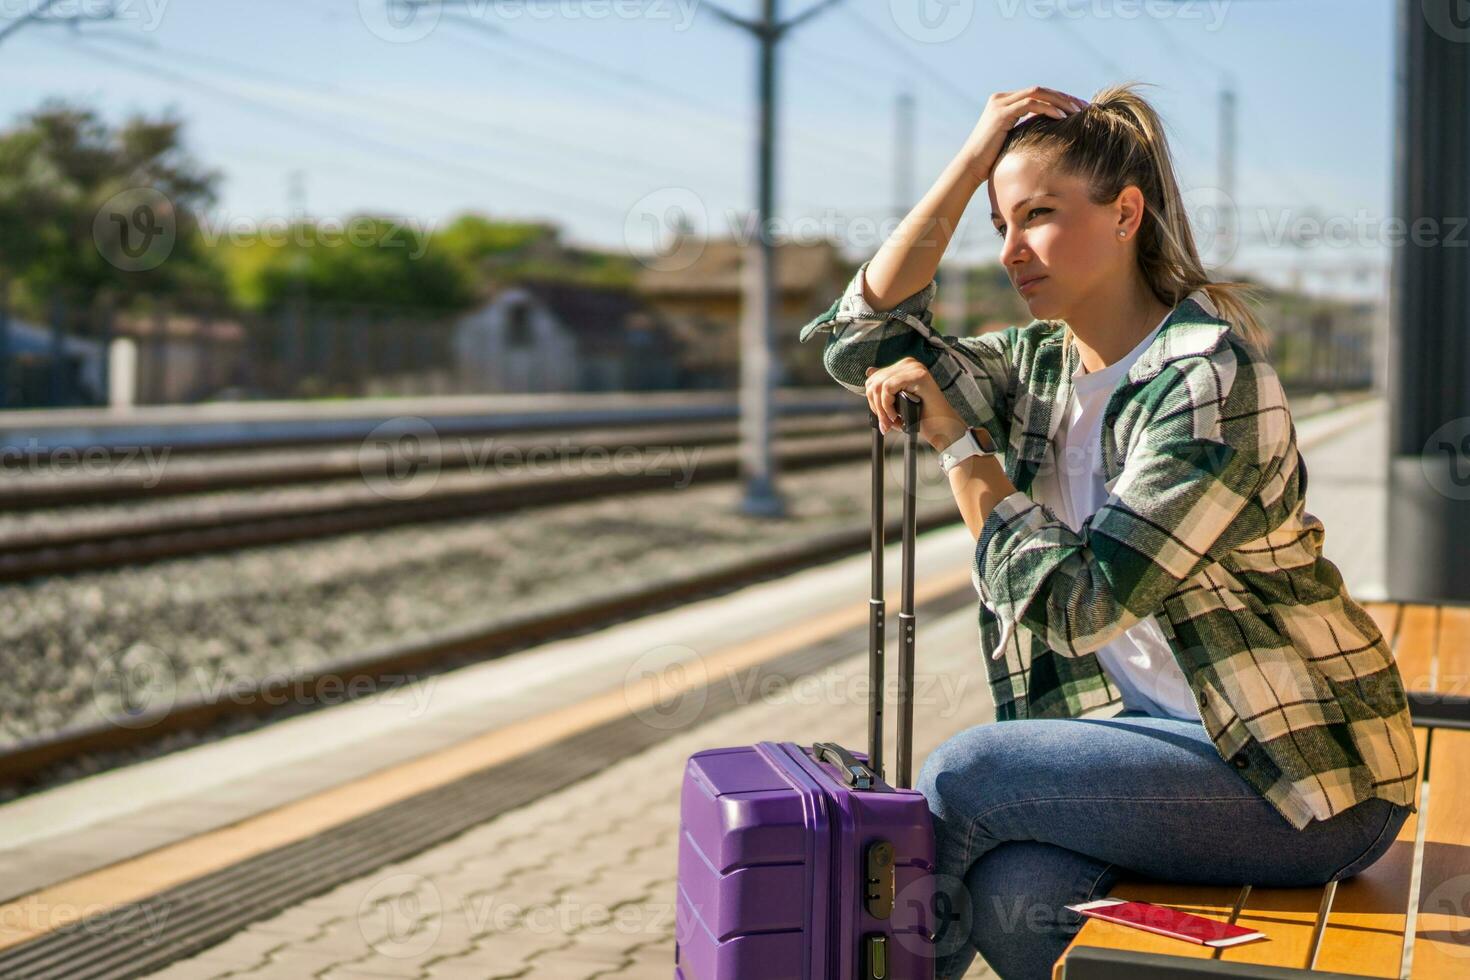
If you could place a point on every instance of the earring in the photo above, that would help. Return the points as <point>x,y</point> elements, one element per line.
<point>1122,233</point>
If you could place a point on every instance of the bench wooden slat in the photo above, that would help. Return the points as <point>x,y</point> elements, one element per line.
<point>1364,935</point>
<point>1442,933</point>
<point>1365,932</point>
<point>1215,901</point>
<point>1452,670</point>
<point>1414,646</point>
<point>1286,916</point>
<point>1365,928</point>
<point>1386,615</point>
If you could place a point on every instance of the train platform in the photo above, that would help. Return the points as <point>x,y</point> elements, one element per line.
<point>251,424</point>
<point>517,818</point>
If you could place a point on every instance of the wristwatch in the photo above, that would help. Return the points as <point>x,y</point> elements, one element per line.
<point>961,449</point>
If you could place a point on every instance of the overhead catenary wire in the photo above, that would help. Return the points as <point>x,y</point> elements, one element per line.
<point>713,116</point>
<point>419,114</point>
<point>264,153</point>
<point>280,114</point>
<point>706,113</point>
<point>921,68</point>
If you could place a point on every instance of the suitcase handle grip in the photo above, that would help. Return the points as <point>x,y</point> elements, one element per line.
<point>909,410</point>
<point>854,773</point>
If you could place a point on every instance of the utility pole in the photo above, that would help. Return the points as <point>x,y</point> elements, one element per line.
<point>295,220</point>
<point>757,358</point>
<point>294,341</point>
<point>757,392</point>
<point>1226,164</point>
<point>903,155</point>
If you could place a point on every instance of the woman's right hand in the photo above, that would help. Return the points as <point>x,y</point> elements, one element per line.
<point>1002,111</point>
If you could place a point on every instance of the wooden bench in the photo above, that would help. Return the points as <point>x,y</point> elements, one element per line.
<point>1378,923</point>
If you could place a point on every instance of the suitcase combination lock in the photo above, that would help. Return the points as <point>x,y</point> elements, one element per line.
<point>878,879</point>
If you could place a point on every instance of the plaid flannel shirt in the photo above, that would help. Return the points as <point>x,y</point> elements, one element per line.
<point>1204,528</point>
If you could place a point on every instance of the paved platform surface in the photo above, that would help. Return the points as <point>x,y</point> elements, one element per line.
<point>1347,488</point>
<point>580,884</point>
<point>92,823</point>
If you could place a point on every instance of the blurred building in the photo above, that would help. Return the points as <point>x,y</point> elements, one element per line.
<point>553,336</point>
<point>184,357</point>
<point>703,303</point>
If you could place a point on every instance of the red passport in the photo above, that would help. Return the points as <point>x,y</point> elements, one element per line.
<point>1168,922</point>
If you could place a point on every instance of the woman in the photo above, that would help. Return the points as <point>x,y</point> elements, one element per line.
<point>1146,541</point>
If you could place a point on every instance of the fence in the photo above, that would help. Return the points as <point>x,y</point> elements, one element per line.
<point>190,353</point>
<point>197,352</point>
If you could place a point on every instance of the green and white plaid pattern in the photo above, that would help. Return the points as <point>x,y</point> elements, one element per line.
<point>1205,528</point>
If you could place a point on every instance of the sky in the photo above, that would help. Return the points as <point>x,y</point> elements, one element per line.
<point>612,118</point>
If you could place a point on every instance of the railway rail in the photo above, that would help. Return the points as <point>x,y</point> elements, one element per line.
<point>380,501</point>
<point>402,663</point>
<point>399,663</point>
<point>151,473</point>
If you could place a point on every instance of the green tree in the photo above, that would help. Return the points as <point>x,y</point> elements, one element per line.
<point>491,253</point>
<point>366,259</point>
<point>70,184</point>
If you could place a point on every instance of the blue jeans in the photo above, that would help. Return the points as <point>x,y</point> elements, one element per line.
<point>1034,814</point>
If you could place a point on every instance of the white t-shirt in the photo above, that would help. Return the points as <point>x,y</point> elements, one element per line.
<point>1139,662</point>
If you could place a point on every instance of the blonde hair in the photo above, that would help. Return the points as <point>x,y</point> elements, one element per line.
<point>1117,140</point>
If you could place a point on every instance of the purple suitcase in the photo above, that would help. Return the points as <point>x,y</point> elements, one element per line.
<point>799,862</point>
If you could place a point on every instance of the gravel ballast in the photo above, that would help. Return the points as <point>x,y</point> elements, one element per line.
<point>72,644</point>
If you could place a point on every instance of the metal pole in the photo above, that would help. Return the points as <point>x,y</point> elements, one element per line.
<point>910,411</point>
<point>903,155</point>
<point>1226,164</point>
<point>56,397</point>
<point>877,618</point>
<point>756,360</point>
<point>1429,342</point>
<point>4,343</point>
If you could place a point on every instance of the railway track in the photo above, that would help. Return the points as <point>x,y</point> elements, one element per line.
<point>403,663</point>
<point>161,473</point>
<point>400,663</point>
<point>408,476</point>
<point>382,500</point>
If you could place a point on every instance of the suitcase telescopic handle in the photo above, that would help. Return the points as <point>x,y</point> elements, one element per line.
<point>909,408</point>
